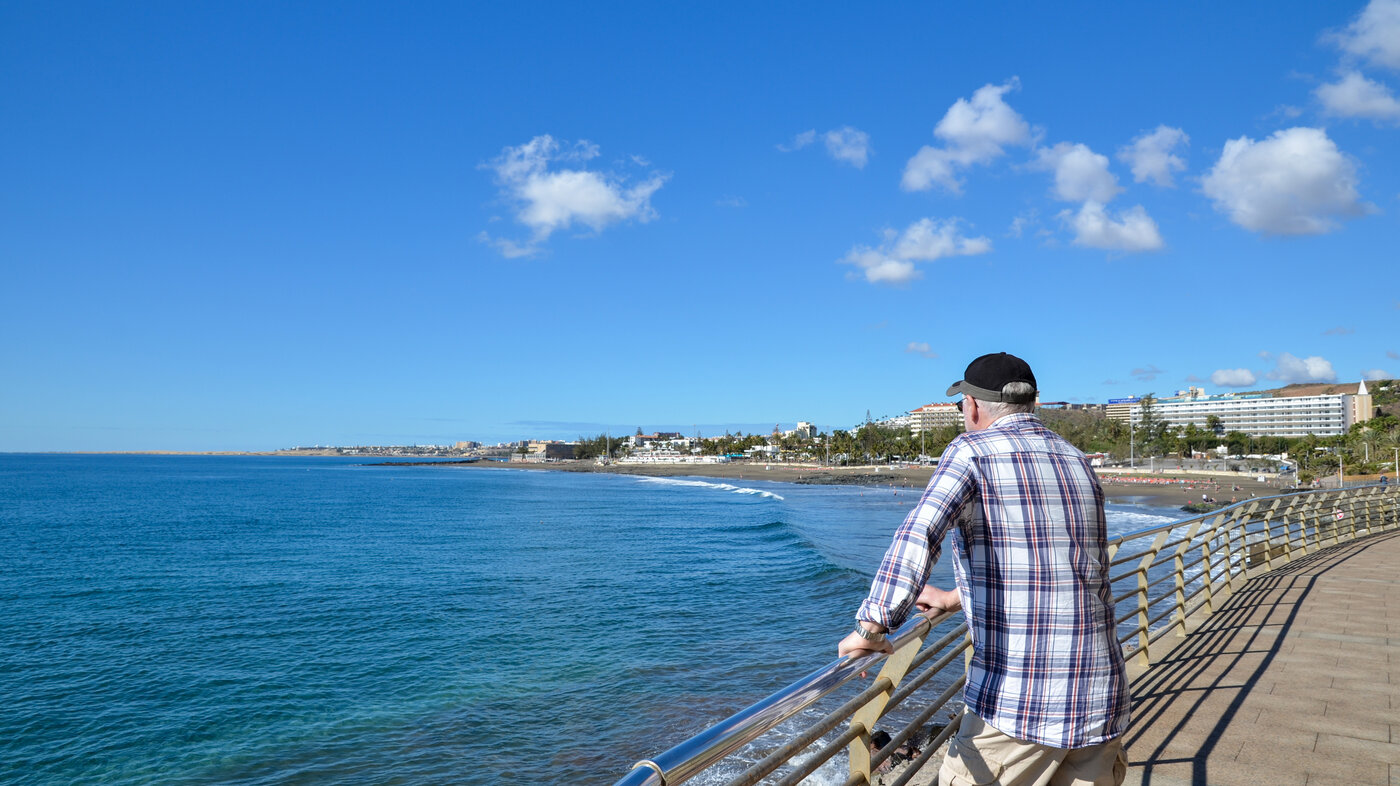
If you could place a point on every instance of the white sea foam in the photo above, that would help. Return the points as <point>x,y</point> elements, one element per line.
<point>1122,520</point>
<point>707,484</point>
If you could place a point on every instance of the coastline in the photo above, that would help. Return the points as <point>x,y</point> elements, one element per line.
<point>1168,490</point>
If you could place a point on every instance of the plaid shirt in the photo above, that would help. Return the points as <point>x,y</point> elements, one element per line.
<point>1031,562</point>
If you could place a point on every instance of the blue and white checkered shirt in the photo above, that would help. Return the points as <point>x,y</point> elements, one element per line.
<point>1031,562</point>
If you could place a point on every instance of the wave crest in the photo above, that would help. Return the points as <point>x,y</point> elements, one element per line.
<point>710,484</point>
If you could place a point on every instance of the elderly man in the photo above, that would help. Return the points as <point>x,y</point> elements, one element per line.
<point>1046,697</point>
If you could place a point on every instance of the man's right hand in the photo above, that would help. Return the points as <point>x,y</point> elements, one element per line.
<point>935,599</point>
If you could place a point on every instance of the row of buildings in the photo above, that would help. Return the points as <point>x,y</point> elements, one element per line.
<point>1254,414</point>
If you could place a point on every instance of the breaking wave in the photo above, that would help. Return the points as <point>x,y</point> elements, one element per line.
<point>709,484</point>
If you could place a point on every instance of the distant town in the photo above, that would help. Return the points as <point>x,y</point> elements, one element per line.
<point>1321,426</point>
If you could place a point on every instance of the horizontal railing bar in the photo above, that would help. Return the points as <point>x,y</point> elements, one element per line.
<point>830,721</point>
<point>918,722</point>
<point>924,676</point>
<point>930,748</point>
<point>939,703</point>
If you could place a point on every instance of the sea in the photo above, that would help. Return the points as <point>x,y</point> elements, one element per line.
<point>291,620</point>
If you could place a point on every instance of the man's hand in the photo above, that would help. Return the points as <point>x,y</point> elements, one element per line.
<point>935,599</point>
<point>855,646</point>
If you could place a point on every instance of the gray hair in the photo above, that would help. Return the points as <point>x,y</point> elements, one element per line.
<point>1018,397</point>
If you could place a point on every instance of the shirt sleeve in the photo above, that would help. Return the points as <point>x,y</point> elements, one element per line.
<point>919,540</point>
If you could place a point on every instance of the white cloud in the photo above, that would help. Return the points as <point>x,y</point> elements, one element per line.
<point>1289,368</point>
<point>729,200</point>
<point>974,132</point>
<point>1233,377</point>
<point>928,240</point>
<point>925,240</point>
<point>550,200</point>
<point>1339,331</point>
<point>1147,374</point>
<point>1133,230</point>
<point>1375,373</point>
<point>1081,175</point>
<point>920,348</point>
<point>1356,96</point>
<point>800,141</point>
<point>1296,182</point>
<point>1151,158</point>
<point>1375,34</point>
<point>848,144</point>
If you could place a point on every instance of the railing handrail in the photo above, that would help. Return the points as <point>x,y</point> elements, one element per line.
<point>685,760</point>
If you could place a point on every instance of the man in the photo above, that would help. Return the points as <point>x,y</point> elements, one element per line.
<point>1046,696</point>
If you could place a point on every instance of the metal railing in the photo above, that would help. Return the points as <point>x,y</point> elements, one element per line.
<point>1185,569</point>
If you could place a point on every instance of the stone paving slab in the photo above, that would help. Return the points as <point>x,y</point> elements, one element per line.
<point>1294,680</point>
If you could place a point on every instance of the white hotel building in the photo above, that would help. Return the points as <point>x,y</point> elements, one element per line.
<point>1259,414</point>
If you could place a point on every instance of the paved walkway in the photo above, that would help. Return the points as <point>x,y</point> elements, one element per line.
<point>1295,681</point>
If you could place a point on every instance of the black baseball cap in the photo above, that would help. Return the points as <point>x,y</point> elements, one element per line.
<point>985,377</point>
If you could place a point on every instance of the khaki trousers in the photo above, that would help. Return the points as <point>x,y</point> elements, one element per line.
<point>979,755</point>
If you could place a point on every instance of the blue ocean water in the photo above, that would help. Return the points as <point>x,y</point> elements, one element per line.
<point>265,620</point>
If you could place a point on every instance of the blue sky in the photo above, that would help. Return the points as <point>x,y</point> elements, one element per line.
<point>256,225</point>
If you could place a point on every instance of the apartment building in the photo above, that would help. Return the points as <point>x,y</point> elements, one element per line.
<point>1256,414</point>
<point>932,417</point>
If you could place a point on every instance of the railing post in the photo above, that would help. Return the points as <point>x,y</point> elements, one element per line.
<point>1208,572</point>
<point>1179,566</point>
<point>1231,522</point>
<point>1310,508</point>
<point>1269,518</point>
<point>864,719</point>
<point>1142,602</point>
<point>1288,514</point>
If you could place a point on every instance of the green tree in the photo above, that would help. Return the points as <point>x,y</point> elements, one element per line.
<point>1151,429</point>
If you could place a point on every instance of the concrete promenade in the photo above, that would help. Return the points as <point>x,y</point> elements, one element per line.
<point>1294,681</point>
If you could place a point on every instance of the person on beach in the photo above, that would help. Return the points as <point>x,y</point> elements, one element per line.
<point>1047,695</point>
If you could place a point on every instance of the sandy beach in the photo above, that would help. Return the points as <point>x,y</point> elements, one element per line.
<point>1160,490</point>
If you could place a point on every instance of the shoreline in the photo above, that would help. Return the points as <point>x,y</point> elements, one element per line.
<point>1162,490</point>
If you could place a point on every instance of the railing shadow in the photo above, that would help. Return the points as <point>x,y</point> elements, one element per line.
<point>1252,623</point>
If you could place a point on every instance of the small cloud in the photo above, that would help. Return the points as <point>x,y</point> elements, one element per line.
<point>1151,158</point>
<point>1111,382</point>
<point>1290,369</point>
<point>1146,374</point>
<point>920,348</point>
<point>549,199</point>
<point>732,201</point>
<point>925,240</point>
<point>1133,230</point>
<point>1296,182</point>
<point>1392,354</point>
<point>1287,112</point>
<point>1193,379</point>
<point>1375,373</point>
<point>1081,175</point>
<point>1233,377</point>
<point>1356,96</point>
<point>1338,331</point>
<point>800,141</point>
<point>848,144</point>
<point>974,132</point>
<point>508,248</point>
<point>1020,224</point>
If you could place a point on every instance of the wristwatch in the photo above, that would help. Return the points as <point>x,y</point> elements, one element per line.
<point>868,635</point>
